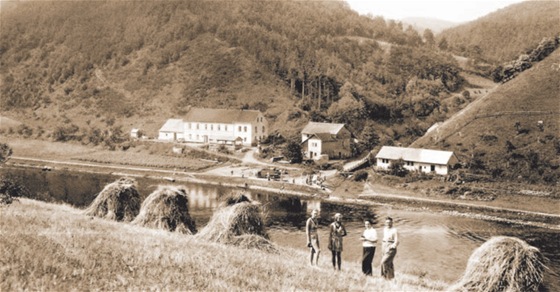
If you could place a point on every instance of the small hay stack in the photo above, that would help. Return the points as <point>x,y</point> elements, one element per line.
<point>240,224</point>
<point>503,264</point>
<point>118,201</point>
<point>167,208</point>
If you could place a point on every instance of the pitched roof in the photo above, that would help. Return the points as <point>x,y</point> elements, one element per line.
<point>224,116</point>
<point>315,127</point>
<point>415,154</point>
<point>324,137</point>
<point>173,125</point>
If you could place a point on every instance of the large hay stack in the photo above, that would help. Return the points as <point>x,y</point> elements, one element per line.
<point>118,201</point>
<point>238,221</point>
<point>167,208</point>
<point>503,264</point>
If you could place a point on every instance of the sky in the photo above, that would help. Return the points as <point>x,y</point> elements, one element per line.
<point>450,10</point>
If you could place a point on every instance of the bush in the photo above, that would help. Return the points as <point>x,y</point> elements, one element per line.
<point>360,175</point>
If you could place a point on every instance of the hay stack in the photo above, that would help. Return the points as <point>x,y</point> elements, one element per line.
<point>232,199</point>
<point>118,201</point>
<point>503,264</point>
<point>167,208</point>
<point>239,224</point>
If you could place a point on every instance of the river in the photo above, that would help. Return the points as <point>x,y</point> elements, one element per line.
<point>433,245</point>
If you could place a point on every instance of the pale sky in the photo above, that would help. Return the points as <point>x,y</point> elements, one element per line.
<point>449,10</point>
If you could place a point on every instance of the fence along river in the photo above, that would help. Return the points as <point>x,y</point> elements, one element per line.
<point>433,245</point>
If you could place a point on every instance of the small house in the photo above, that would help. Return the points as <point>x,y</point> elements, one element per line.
<point>135,133</point>
<point>326,140</point>
<point>417,159</point>
<point>172,130</point>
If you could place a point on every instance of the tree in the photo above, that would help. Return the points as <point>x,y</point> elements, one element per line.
<point>369,138</point>
<point>397,168</point>
<point>292,152</point>
<point>429,38</point>
<point>5,152</point>
<point>443,45</point>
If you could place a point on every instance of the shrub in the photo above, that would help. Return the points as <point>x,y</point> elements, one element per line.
<point>360,175</point>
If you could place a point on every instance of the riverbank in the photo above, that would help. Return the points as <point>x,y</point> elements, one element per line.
<point>55,247</point>
<point>529,210</point>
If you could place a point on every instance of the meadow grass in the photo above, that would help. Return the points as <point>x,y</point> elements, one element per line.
<point>55,247</point>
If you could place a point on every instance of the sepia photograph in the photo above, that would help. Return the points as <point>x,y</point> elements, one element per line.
<point>280,145</point>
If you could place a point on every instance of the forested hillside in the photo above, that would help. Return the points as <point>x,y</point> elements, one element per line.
<point>80,70</point>
<point>512,133</point>
<point>505,34</point>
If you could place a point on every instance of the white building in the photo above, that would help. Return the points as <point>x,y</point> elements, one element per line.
<point>218,126</point>
<point>172,130</point>
<point>332,141</point>
<point>416,159</point>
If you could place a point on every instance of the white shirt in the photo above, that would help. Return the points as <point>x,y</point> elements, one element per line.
<point>390,235</point>
<point>370,235</point>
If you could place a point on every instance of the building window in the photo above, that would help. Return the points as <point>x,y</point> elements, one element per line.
<point>205,126</point>
<point>245,139</point>
<point>218,127</point>
<point>385,160</point>
<point>225,127</point>
<point>211,127</point>
<point>197,126</point>
<point>256,129</point>
<point>263,129</point>
<point>190,126</point>
<point>245,129</point>
<point>410,163</point>
<point>239,129</point>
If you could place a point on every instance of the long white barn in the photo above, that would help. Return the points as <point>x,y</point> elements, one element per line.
<point>416,159</point>
<point>220,126</point>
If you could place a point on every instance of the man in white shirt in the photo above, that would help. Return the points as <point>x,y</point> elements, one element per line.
<point>369,240</point>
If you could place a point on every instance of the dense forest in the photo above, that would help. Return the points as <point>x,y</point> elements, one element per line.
<point>505,34</point>
<point>139,63</point>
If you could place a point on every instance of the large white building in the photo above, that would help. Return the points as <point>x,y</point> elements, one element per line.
<point>416,159</point>
<point>221,126</point>
<point>172,130</point>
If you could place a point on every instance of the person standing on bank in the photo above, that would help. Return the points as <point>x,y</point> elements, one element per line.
<point>369,240</point>
<point>312,236</point>
<point>337,231</point>
<point>390,242</point>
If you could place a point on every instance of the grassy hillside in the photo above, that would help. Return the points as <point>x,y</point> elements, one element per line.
<point>503,35</point>
<point>84,67</point>
<point>56,248</point>
<point>499,134</point>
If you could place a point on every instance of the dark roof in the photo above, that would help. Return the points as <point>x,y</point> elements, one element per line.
<point>224,116</point>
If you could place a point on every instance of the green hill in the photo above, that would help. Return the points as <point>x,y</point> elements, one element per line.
<point>500,134</point>
<point>505,34</point>
<point>88,66</point>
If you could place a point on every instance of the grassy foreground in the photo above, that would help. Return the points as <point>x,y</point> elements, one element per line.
<point>54,247</point>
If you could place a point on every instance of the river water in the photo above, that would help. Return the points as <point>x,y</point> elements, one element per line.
<point>434,245</point>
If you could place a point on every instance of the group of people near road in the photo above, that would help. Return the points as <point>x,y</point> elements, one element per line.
<point>369,242</point>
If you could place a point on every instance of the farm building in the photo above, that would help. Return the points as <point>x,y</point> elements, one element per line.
<point>172,130</point>
<point>217,126</point>
<point>416,159</point>
<point>225,126</point>
<point>326,140</point>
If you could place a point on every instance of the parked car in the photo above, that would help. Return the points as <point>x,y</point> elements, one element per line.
<point>269,173</point>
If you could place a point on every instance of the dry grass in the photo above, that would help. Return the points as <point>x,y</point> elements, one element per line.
<point>503,264</point>
<point>118,201</point>
<point>51,247</point>
<point>237,222</point>
<point>167,208</point>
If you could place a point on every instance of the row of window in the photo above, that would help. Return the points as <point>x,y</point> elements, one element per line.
<point>218,127</point>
